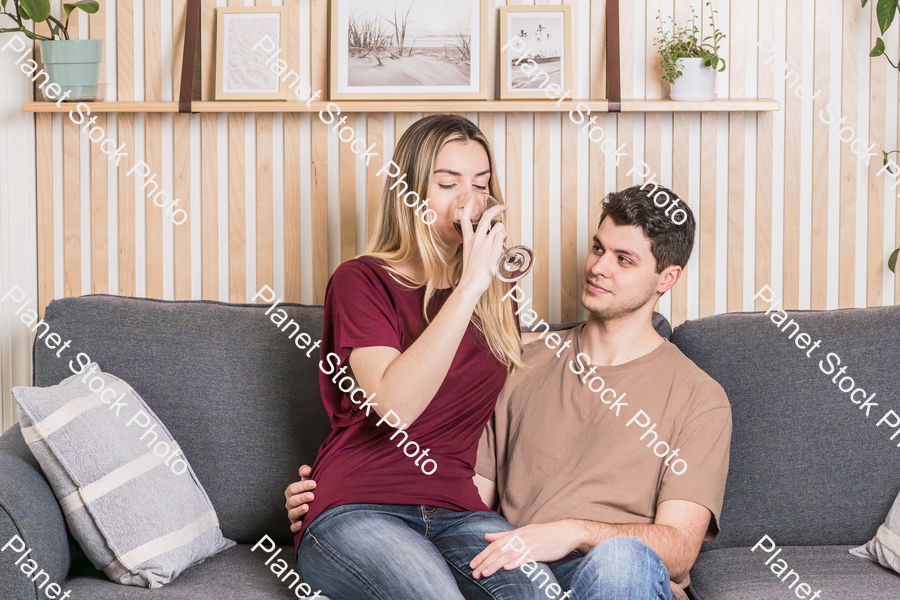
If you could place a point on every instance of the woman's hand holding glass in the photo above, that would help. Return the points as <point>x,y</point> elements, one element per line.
<point>477,208</point>
<point>482,241</point>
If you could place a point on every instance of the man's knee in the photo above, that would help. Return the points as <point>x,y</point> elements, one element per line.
<point>626,567</point>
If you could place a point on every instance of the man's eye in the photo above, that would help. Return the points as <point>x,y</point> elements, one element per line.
<point>597,249</point>
<point>625,260</point>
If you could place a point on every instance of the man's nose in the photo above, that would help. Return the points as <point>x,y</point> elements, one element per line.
<point>603,264</point>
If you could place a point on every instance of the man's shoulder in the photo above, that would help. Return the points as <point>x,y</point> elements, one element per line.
<point>698,384</point>
<point>540,361</point>
<point>539,346</point>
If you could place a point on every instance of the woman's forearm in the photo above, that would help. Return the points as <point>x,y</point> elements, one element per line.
<point>406,383</point>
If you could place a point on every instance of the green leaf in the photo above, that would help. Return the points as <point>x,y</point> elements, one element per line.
<point>892,261</point>
<point>88,6</point>
<point>885,13</point>
<point>35,10</point>
<point>3,4</point>
<point>878,50</point>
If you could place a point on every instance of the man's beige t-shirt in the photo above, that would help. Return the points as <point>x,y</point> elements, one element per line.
<point>558,450</point>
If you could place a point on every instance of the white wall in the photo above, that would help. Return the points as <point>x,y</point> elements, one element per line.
<point>18,231</point>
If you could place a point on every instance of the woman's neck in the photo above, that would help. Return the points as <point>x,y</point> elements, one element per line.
<point>415,271</point>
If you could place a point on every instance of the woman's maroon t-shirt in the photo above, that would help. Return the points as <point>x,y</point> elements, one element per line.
<point>359,463</point>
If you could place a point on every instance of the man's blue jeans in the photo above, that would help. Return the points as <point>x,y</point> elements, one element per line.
<point>620,568</point>
<point>394,552</point>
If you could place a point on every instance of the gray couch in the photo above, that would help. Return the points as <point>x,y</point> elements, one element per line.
<point>806,468</point>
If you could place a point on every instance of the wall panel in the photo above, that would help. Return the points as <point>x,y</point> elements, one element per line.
<point>829,204</point>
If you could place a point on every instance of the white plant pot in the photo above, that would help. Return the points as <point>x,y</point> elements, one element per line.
<point>696,84</point>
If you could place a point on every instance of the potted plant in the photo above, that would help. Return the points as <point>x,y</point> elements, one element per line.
<point>73,65</point>
<point>690,63</point>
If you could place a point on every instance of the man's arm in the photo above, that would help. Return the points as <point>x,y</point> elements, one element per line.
<point>297,496</point>
<point>675,535</point>
<point>487,489</point>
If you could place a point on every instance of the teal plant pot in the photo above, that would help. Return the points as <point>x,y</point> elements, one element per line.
<point>74,65</point>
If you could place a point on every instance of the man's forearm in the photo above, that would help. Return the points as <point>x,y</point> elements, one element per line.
<point>669,543</point>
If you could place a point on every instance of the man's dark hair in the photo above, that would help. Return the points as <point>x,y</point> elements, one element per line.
<point>646,208</point>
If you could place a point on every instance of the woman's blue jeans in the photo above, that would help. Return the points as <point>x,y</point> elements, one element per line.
<point>396,552</point>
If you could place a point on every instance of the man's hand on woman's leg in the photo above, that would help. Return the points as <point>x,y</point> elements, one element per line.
<point>299,495</point>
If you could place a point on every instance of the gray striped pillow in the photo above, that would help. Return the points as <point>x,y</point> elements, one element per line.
<point>884,548</point>
<point>129,496</point>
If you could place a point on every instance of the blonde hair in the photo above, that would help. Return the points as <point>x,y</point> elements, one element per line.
<point>401,235</point>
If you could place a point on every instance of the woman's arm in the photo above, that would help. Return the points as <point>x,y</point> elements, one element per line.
<point>406,382</point>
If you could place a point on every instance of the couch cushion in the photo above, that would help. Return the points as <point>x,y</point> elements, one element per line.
<point>805,461</point>
<point>139,514</point>
<point>738,574</point>
<point>239,396</point>
<point>29,510</point>
<point>235,574</point>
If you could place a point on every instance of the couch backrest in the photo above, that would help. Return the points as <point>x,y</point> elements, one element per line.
<point>239,397</point>
<point>807,466</point>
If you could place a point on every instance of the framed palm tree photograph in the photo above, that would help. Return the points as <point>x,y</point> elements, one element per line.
<point>535,51</point>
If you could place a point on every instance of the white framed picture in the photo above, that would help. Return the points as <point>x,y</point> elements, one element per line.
<point>408,49</point>
<point>249,42</point>
<point>535,50</point>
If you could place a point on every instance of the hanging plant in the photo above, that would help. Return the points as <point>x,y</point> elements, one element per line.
<point>885,11</point>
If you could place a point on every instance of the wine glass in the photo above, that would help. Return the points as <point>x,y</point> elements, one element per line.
<point>516,262</point>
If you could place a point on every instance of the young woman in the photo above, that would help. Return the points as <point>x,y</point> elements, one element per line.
<point>419,322</point>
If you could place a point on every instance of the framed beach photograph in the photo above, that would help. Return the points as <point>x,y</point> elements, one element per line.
<point>535,50</point>
<point>408,49</point>
<point>248,41</point>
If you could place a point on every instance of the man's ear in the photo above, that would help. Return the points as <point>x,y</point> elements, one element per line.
<point>668,278</point>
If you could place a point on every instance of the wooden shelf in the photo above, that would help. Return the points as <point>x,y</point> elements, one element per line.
<point>724,105</point>
<point>356,106</point>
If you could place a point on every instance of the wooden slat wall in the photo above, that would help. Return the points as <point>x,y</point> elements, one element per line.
<point>263,224</point>
<point>181,162</point>
<point>99,171</point>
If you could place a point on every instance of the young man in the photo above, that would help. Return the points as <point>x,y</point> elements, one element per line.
<point>610,453</point>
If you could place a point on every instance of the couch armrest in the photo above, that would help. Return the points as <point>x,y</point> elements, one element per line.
<point>29,510</point>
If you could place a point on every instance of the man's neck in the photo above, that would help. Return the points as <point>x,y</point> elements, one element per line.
<point>616,342</point>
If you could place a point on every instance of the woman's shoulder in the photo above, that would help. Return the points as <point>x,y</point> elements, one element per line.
<point>359,269</point>
<point>365,269</point>
<point>361,264</point>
